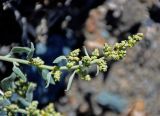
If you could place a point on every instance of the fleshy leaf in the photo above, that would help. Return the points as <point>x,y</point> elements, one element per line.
<point>18,72</point>
<point>70,81</point>
<point>8,82</point>
<point>30,54</point>
<point>29,93</point>
<point>59,59</point>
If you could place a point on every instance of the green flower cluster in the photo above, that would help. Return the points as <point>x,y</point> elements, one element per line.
<point>32,109</point>
<point>56,73</point>
<point>22,87</point>
<point>28,108</point>
<point>86,60</point>
<point>95,54</point>
<point>102,65</point>
<point>37,61</point>
<point>83,74</point>
<point>49,111</point>
<point>8,94</point>
<point>86,78</point>
<point>73,58</point>
<point>118,51</point>
<point>24,90</point>
<point>11,109</point>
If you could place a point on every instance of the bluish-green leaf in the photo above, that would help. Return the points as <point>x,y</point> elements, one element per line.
<point>3,113</point>
<point>18,50</point>
<point>8,82</point>
<point>44,73</point>
<point>30,54</point>
<point>18,72</point>
<point>29,93</point>
<point>97,70</point>
<point>49,77</point>
<point>85,51</point>
<point>23,101</point>
<point>44,76</point>
<point>4,102</point>
<point>70,81</point>
<point>59,59</point>
<point>1,92</point>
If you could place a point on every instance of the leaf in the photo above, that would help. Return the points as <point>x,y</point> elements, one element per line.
<point>85,51</point>
<point>44,73</point>
<point>4,102</point>
<point>18,50</point>
<point>59,59</point>
<point>29,93</point>
<point>80,63</point>
<point>30,54</point>
<point>8,82</point>
<point>18,72</point>
<point>97,70</point>
<point>44,76</point>
<point>49,76</point>
<point>70,81</point>
<point>23,101</point>
<point>1,92</point>
<point>18,99</point>
<point>28,51</point>
<point>3,113</point>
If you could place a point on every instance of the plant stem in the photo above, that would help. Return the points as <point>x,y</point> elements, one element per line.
<point>22,111</point>
<point>26,62</point>
<point>4,58</point>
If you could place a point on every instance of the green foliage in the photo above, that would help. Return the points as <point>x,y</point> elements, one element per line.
<point>18,72</point>
<point>19,100</point>
<point>16,95</point>
<point>70,80</point>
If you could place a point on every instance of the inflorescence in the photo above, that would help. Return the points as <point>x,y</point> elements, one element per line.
<point>16,85</point>
<point>75,63</point>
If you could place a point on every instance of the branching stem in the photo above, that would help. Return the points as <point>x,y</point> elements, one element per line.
<point>26,62</point>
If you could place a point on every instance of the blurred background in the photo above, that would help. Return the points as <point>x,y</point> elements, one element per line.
<point>57,27</point>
